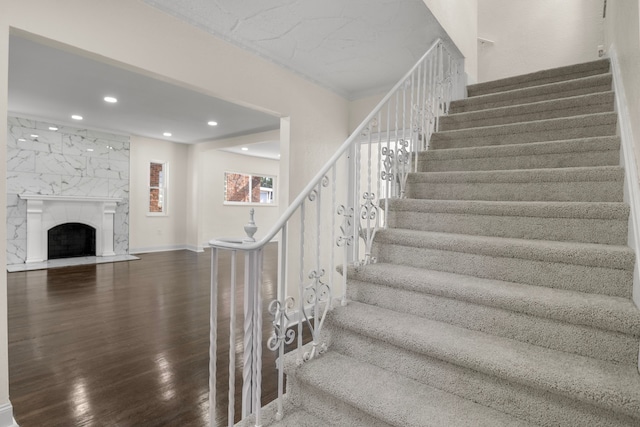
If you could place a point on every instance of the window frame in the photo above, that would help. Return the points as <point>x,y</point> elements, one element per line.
<point>163,189</point>
<point>274,189</point>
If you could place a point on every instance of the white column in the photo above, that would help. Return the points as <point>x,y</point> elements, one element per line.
<point>36,252</point>
<point>108,215</point>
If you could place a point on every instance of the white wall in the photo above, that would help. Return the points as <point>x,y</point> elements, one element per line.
<point>6,412</point>
<point>153,233</point>
<point>622,38</point>
<point>360,108</point>
<point>622,31</point>
<point>220,220</point>
<point>535,35</point>
<point>459,18</point>
<point>196,212</point>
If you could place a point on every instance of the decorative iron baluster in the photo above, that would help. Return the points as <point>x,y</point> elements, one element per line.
<point>368,213</point>
<point>281,334</point>
<point>315,294</point>
<point>344,240</point>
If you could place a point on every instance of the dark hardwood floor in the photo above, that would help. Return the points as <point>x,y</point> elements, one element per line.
<point>125,344</point>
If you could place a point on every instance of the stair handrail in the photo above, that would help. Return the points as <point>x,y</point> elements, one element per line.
<point>421,96</point>
<point>295,205</point>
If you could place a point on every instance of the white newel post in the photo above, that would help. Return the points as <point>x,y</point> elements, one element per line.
<point>35,246</point>
<point>108,215</point>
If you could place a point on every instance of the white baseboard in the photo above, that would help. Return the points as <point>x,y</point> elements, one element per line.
<point>6,416</point>
<point>628,160</point>
<point>165,248</point>
<point>194,248</point>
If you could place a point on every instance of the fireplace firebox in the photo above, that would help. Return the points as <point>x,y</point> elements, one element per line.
<point>72,239</point>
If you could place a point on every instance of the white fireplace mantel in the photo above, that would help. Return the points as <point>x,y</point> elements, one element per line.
<point>46,211</point>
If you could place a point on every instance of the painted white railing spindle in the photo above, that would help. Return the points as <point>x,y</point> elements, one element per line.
<point>213,335</point>
<point>301,285</point>
<point>232,340</point>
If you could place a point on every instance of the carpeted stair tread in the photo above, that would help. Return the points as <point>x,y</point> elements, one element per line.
<point>588,125</point>
<point>299,418</point>
<point>294,416</point>
<point>593,310</point>
<point>603,384</point>
<point>565,107</point>
<point>537,78</point>
<point>540,331</point>
<point>395,400</point>
<point>600,143</point>
<point>563,89</point>
<point>536,405</point>
<point>585,210</point>
<point>585,254</point>
<point>579,152</point>
<point>575,184</point>
<point>602,223</point>
<point>591,173</point>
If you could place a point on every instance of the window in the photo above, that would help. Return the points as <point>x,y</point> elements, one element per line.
<point>158,188</point>
<point>245,188</point>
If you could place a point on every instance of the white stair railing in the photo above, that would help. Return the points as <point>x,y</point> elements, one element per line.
<point>329,226</point>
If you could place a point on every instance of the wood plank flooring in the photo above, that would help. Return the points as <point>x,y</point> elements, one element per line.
<point>125,344</point>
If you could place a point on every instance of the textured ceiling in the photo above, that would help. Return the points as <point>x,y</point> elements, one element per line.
<point>352,47</point>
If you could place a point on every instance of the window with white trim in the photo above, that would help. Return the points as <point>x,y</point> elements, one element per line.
<point>242,188</point>
<point>158,174</point>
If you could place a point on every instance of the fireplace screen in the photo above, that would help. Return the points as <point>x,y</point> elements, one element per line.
<point>71,240</point>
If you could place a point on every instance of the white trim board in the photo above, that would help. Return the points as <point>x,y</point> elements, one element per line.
<point>6,416</point>
<point>165,248</point>
<point>628,161</point>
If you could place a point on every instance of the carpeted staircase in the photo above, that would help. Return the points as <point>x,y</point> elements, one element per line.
<point>501,292</point>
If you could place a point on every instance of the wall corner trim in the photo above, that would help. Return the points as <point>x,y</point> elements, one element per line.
<point>6,416</point>
<point>194,248</point>
<point>629,161</point>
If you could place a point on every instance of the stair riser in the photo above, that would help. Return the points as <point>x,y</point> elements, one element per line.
<point>533,301</point>
<point>563,336</point>
<point>609,232</point>
<point>527,97</point>
<point>453,122</point>
<point>598,280</point>
<point>520,83</point>
<point>498,136</point>
<point>538,406</point>
<point>586,191</point>
<point>539,161</point>
<point>327,407</point>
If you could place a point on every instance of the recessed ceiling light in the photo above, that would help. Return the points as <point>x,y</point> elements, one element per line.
<point>245,149</point>
<point>53,128</point>
<point>110,99</point>
<point>33,135</point>
<point>76,117</point>
<point>22,140</point>
<point>89,149</point>
<point>212,123</point>
<point>167,134</point>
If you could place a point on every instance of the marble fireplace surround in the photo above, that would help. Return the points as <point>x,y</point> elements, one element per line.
<point>46,212</point>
